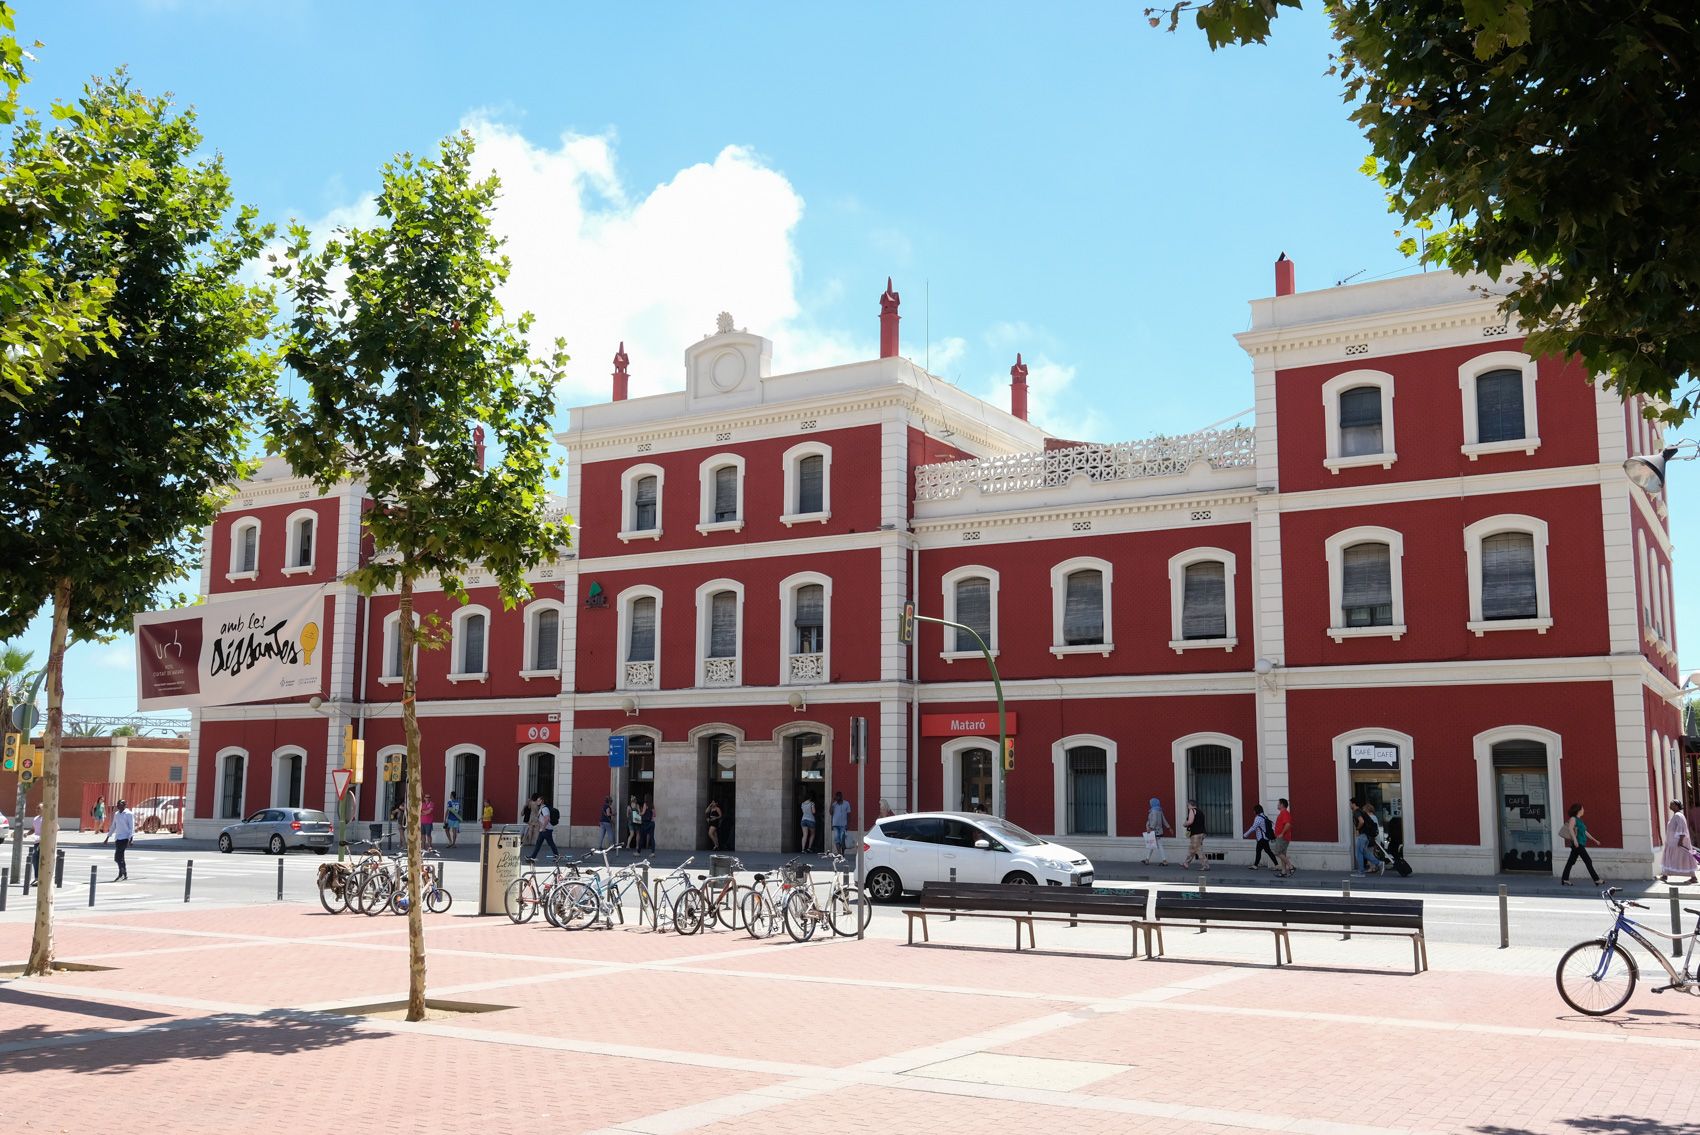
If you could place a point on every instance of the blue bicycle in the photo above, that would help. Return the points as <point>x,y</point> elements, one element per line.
<point>1597,977</point>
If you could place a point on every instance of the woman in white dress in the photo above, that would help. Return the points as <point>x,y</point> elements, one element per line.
<point>1678,859</point>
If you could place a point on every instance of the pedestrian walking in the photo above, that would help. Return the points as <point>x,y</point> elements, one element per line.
<point>634,817</point>
<point>605,832</point>
<point>488,816</point>
<point>98,814</point>
<point>451,818</point>
<point>1364,860</point>
<point>840,821</point>
<point>1156,823</point>
<point>1283,839</point>
<point>1263,832</point>
<point>647,826</point>
<point>123,831</point>
<point>427,819</point>
<point>528,817</point>
<point>808,824</point>
<point>712,816</point>
<point>1195,832</point>
<point>1574,833</point>
<point>1678,862</point>
<point>545,818</point>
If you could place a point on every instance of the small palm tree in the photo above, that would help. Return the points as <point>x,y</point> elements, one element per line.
<point>15,678</point>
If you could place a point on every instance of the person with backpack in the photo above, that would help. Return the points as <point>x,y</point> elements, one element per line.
<point>1574,833</point>
<point>1156,823</point>
<point>1195,832</point>
<point>1364,859</point>
<point>1262,831</point>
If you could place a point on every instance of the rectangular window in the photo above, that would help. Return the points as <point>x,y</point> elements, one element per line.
<point>974,609</point>
<point>645,493</point>
<point>723,625</point>
<point>1088,791</point>
<point>250,549</point>
<point>1360,421</point>
<point>304,543</point>
<point>640,646</point>
<point>811,618</point>
<point>726,493</point>
<point>1083,608</point>
<point>1366,586</point>
<point>811,484</point>
<point>1499,406</point>
<point>472,653</point>
<point>546,649</point>
<point>1204,601</point>
<point>175,774</point>
<point>1508,576</point>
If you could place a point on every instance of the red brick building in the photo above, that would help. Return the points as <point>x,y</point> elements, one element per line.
<point>1421,577</point>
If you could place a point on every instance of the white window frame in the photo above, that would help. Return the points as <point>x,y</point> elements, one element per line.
<point>278,755</point>
<point>1335,549</point>
<point>293,527</point>
<point>1343,780</point>
<point>469,811</point>
<point>1331,391</point>
<point>1059,783</point>
<point>1487,807</point>
<point>392,632</point>
<point>236,571</point>
<point>623,608</point>
<point>219,764</point>
<point>457,629</point>
<point>705,479</point>
<point>1474,369</point>
<point>792,458</point>
<point>628,502</point>
<point>1178,564</point>
<point>951,579</point>
<point>533,610</point>
<point>787,624</point>
<point>1177,757</point>
<point>705,611</point>
<point>1474,534</point>
<point>1643,561</point>
<point>1059,602</point>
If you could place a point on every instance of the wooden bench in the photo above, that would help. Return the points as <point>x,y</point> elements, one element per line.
<point>1285,915</point>
<point>1024,905</point>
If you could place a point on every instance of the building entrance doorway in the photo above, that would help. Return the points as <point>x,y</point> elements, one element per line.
<point>466,778</point>
<point>975,777</point>
<point>718,756</point>
<point>1525,811</point>
<point>805,764</point>
<point>286,783</point>
<point>1210,781</point>
<point>539,779</point>
<point>230,791</point>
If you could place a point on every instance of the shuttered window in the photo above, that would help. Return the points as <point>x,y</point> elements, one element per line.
<point>723,625</point>
<point>726,493</point>
<point>472,645</point>
<point>811,484</point>
<point>1204,601</point>
<point>974,609</point>
<point>640,643</point>
<point>1499,406</point>
<point>810,605</point>
<point>546,640</point>
<point>1366,585</point>
<point>645,492</point>
<point>1083,608</point>
<point>1088,791</point>
<point>1508,576</point>
<point>1360,421</point>
<point>250,555</point>
<point>304,542</point>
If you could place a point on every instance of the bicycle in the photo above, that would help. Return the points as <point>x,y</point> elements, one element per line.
<point>844,910</point>
<point>593,897</point>
<point>530,892</point>
<point>764,905</point>
<point>379,882</point>
<point>660,896</point>
<point>1597,977</point>
<point>716,898</point>
<point>432,893</point>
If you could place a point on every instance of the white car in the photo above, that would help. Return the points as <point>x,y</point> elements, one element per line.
<point>902,853</point>
<point>5,827</point>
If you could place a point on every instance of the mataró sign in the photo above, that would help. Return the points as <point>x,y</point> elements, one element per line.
<point>230,652</point>
<point>966,724</point>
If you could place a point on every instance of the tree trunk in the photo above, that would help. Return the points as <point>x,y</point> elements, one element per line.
<point>415,800</point>
<point>41,947</point>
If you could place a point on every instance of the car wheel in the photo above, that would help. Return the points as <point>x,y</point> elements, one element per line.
<point>276,847</point>
<point>320,850</point>
<point>224,843</point>
<point>1019,878</point>
<point>150,825</point>
<point>884,885</point>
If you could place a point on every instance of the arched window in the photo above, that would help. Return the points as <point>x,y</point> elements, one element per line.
<point>1080,607</point>
<point>1498,391</point>
<point>542,639</point>
<point>1201,599</point>
<point>805,603</point>
<point>722,480</point>
<point>1366,584</point>
<point>641,502</point>
<point>303,528</point>
<point>1507,560</point>
<point>1358,420</point>
<point>640,638</point>
<point>720,620</point>
<point>1084,771</point>
<point>244,550</point>
<point>232,783</point>
<point>469,644</point>
<point>808,483</point>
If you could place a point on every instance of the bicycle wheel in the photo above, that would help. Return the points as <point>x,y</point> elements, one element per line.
<point>375,895</point>
<point>690,912</point>
<point>848,911</point>
<point>438,900</point>
<point>1595,977</point>
<point>754,912</point>
<point>575,905</point>
<point>800,916</point>
<point>520,901</point>
<point>729,907</point>
<point>333,894</point>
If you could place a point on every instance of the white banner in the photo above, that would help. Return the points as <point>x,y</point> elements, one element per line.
<point>248,648</point>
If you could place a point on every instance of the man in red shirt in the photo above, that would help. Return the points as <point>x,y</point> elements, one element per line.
<point>1283,838</point>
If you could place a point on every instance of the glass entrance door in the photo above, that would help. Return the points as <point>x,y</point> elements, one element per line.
<point>808,782</point>
<point>976,780</point>
<point>1525,820</point>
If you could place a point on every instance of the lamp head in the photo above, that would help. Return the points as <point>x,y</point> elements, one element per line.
<point>1648,470</point>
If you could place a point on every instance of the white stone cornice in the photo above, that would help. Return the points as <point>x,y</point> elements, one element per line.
<point>1103,510</point>
<point>1472,484</point>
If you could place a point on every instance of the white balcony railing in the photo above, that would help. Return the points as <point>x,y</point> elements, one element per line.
<point>640,675</point>
<point>1126,461</point>
<point>720,671</point>
<point>808,668</point>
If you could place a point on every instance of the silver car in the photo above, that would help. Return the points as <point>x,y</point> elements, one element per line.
<point>277,830</point>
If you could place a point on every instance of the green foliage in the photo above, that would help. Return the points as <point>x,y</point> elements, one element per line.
<point>1557,140</point>
<point>404,348</point>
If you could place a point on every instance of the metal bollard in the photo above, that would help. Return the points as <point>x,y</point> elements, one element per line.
<point>59,868</point>
<point>1346,893</point>
<point>94,872</point>
<point>1504,918</point>
<point>1201,928</point>
<point>188,878</point>
<point>5,886</point>
<point>1675,914</point>
<point>280,878</point>
<point>952,918</point>
<point>28,863</point>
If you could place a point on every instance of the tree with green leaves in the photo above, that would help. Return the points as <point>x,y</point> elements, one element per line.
<point>406,355</point>
<point>119,459</point>
<point>1548,145</point>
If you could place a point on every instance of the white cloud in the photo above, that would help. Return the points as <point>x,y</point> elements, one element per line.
<point>1050,401</point>
<point>112,656</point>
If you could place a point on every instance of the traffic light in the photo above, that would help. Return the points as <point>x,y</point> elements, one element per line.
<point>1009,754</point>
<point>357,758</point>
<point>906,624</point>
<point>13,741</point>
<point>392,768</point>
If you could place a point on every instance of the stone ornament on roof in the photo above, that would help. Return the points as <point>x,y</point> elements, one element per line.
<point>723,322</point>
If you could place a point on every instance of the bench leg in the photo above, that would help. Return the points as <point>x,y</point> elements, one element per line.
<point>1419,948</point>
<point>1031,944</point>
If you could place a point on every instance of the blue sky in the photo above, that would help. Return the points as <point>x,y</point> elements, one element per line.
<point>1062,181</point>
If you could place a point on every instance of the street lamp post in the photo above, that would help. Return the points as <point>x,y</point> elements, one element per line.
<point>906,633</point>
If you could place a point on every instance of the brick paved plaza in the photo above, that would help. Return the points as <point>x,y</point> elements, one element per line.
<point>223,1019</point>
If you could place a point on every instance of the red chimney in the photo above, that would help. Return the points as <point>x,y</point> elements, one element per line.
<point>888,322</point>
<point>1018,388</point>
<point>478,444</point>
<point>1284,284</point>
<point>620,375</point>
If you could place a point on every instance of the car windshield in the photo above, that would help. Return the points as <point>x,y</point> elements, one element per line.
<point>1010,834</point>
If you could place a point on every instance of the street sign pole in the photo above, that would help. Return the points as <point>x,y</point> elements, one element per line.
<point>859,755</point>
<point>616,762</point>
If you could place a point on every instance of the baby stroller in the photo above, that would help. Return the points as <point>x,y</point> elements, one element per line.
<point>1390,848</point>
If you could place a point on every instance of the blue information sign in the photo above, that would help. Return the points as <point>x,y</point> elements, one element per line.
<point>616,752</point>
